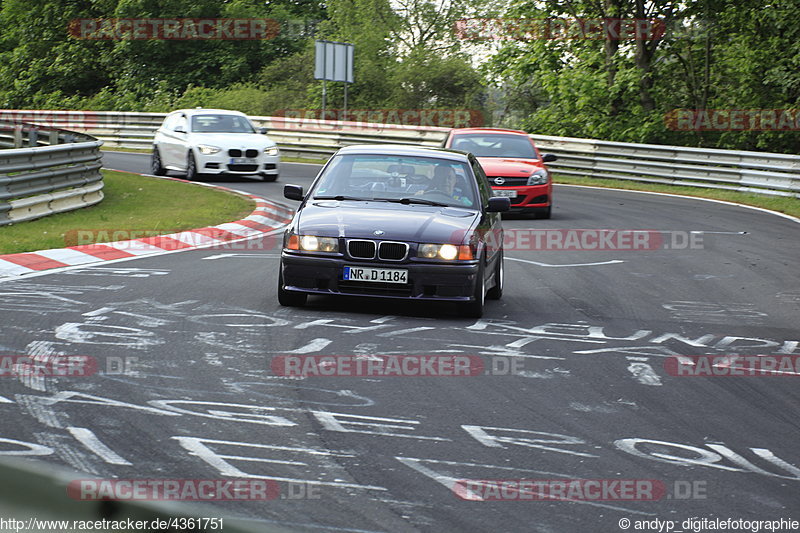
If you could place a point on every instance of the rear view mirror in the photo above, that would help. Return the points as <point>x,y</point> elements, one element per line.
<point>547,158</point>
<point>293,192</point>
<point>498,205</point>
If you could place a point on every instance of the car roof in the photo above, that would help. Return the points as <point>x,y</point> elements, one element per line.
<point>405,149</point>
<point>487,130</point>
<point>204,111</point>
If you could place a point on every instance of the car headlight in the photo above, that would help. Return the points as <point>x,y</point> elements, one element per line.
<point>208,150</point>
<point>448,252</point>
<point>312,243</point>
<point>271,150</point>
<point>538,178</point>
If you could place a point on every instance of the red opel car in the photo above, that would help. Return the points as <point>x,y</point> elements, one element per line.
<point>513,165</point>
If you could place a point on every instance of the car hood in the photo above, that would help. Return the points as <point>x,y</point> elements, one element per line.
<point>233,140</point>
<point>408,223</point>
<point>508,166</point>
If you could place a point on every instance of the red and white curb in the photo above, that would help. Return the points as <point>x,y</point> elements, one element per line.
<point>266,218</point>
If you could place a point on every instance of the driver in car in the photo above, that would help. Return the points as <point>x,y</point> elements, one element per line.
<point>444,181</point>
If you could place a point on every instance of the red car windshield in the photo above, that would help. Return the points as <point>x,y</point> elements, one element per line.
<point>495,145</point>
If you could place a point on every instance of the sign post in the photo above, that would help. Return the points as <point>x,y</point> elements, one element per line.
<point>333,61</point>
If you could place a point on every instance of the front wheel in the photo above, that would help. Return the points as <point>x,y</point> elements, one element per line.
<point>269,177</point>
<point>155,163</point>
<point>496,292</point>
<point>474,309</point>
<point>289,298</point>
<point>191,167</point>
<point>545,213</point>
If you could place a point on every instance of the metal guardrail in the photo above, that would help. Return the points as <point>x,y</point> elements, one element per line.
<point>757,172</point>
<point>46,170</point>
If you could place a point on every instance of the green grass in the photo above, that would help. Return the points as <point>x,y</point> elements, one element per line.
<point>132,203</point>
<point>782,204</point>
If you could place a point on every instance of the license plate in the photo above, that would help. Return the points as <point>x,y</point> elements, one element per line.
<point>377,275</point>
<point>505,193</point>
<point>242,161</point>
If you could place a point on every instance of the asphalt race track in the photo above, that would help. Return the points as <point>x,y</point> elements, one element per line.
<point>574,386</point>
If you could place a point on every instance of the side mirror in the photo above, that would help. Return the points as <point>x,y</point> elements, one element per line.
<point>293,192</point>
<point>547,158</point>
<point>263,131</point>
<point>498,205</point>
<point>179,129</point>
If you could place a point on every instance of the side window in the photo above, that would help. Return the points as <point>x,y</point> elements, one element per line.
<point>484,189</point>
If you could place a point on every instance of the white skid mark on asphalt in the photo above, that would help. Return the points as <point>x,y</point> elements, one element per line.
<point>199,448</point>
<point>644,373</point>
<point>314,345</point>
<point>504,351</point>
<point>722,232</point>
<point>537,263</point>
<point>772,458</point>
<point>404,331</point>
<point>90,440</point>
<point>69,454</point>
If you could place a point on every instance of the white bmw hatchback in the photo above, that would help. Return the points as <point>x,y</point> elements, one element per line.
<point>213,141</point>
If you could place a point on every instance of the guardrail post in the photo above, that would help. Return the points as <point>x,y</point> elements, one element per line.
<point>53,137</point>
<point>18,136</point>
<point>33,138</point>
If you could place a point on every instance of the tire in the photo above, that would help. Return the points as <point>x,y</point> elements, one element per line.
<point>155,163</point>
<point>474,309</point>
<point>289,298</point>
<point>496,292</point>
<point>546,213</point>
<point>269,177</point>
<point>191,167</point>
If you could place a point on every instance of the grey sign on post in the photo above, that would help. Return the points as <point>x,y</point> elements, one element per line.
<point>334,61</point>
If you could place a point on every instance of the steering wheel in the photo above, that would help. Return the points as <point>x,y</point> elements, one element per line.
<point>439,193</point>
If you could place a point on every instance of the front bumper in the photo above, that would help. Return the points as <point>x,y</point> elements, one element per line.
<point>426,281</point>
<point>529,197</point>
<point>220,163</point>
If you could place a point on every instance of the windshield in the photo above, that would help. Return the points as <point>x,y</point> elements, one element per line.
<point>495,145</point>
<point>424,180</point>
<point>221,124</point>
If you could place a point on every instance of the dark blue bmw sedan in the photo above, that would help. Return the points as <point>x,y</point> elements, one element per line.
<point>394,221</point>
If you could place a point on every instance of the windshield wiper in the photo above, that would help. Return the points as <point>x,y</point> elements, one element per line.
<point>342,197</point>
<point>416,201</point>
